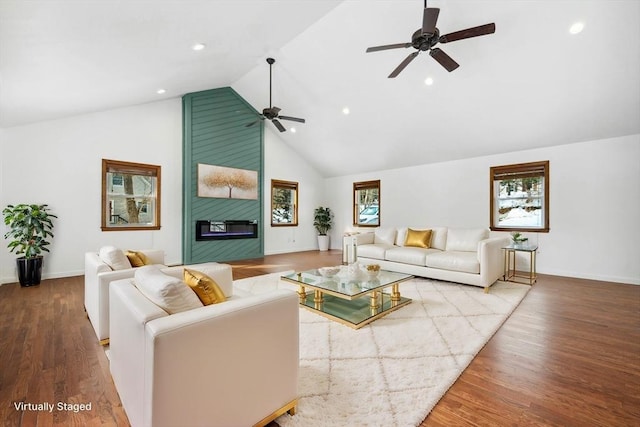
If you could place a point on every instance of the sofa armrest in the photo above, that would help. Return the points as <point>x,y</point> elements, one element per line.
<point>130,312</point>
<point>365,238</point>
<point>241,356</point>
<point>491,259</point>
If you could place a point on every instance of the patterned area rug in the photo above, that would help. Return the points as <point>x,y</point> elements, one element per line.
<point>393,371</point>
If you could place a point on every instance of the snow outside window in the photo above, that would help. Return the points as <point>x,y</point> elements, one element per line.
<point>284,203</point>
<point>519,197</point>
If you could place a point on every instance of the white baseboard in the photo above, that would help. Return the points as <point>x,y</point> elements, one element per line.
<point>287,251</point>
<point>603,278</point>
<point>55,275</point>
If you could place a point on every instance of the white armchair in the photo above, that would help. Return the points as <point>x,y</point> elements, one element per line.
<point>97,277</point>
<point>229,364</point>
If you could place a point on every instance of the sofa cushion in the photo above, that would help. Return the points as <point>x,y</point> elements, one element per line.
<point>373,251</point>
<point>418,238</point>
<point>465,239</point>
<point>466,262</point>
<point>385,236</point>
<point>204,286</point>
<point>114,258</point>
<point>137,258</point>
<point>439,238</point>
<point>167,292</point>
<point>364,238</point>
<point>409,255</point>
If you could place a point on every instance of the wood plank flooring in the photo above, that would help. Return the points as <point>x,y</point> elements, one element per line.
<point>568,356</point>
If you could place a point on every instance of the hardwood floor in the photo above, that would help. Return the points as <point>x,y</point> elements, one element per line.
<point>568,356</point>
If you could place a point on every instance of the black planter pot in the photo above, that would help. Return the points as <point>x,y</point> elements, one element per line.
<point>29,270</point>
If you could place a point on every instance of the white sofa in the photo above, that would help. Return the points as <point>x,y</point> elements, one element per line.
<point>98,274</point>
<point>459,255</point>
<point>233,363</point>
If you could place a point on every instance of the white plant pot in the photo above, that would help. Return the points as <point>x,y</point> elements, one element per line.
<point>323,243</point>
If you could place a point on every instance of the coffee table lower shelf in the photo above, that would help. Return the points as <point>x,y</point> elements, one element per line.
<point>354,313</point>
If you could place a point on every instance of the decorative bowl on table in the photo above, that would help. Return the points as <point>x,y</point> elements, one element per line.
<point>372,274</point>
<point>372,271</point>
<point>328,271</point>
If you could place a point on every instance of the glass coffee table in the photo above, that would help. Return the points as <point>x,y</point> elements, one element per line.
<point>352,300</point>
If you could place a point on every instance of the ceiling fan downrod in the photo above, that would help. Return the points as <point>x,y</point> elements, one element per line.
<point>271,61</point>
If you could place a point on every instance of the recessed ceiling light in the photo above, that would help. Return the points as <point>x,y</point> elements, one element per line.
<point>160,91</point>
<point>345,110</point>
<point>293,130</point>
<point>576,28</point>
<point>428,81</point>
<point>198,46</point>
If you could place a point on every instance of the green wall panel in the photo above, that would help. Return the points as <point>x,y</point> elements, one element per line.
<point>215,133</point>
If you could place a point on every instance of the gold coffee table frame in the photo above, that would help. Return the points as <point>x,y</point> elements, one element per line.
<point>352,301</point>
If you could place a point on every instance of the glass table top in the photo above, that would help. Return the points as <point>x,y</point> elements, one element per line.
<point>351,297</point>
<point>346,284</point>
<point>527,247</point>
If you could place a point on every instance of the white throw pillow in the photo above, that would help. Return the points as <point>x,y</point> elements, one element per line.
<point>466,240</point>
<point>385,236</point>
<point>439,238</point>
<point>114,258</point>
<point>401,236</point>
<point>167,292</point>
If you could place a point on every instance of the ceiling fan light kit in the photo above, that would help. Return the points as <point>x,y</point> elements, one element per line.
<point>272,113</point>
<point>428,36</point>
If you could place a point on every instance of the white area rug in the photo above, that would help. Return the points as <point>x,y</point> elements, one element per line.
<point>393,371</point>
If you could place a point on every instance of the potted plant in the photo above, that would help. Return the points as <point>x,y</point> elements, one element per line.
<point>322,221</point>
<point>29,228</point>
<point>518,238</point>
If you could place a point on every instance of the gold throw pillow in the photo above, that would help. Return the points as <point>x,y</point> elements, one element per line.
<point>204,286</point>
<point>137,259</point>
<point>418,238</point>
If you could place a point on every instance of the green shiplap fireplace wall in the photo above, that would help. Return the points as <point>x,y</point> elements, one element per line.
<point>215,133</point>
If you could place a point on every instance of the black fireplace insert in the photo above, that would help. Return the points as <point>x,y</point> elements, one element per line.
<point>223,230</point>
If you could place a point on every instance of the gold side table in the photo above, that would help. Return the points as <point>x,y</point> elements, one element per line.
<point>511,274</point>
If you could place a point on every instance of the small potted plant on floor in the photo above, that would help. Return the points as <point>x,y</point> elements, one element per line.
<point>29,228</point>
<point>322,221</point>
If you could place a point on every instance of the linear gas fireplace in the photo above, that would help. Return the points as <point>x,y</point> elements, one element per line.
<point>222,230</point>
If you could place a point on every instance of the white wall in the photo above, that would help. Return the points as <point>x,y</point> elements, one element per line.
<point>284,164</point>
<point>62,160</point>
<point>595,196</point>
<point>594,204</point>
<point>59,163</point>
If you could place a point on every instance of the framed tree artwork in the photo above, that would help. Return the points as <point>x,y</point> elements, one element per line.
<point>227,183</point>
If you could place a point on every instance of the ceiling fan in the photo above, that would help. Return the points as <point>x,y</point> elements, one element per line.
<point>428,36</point>
<point>271,113</point>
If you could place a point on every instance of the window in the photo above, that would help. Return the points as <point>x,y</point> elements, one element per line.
<point>284,203</point>
<point>130,196</point>
<point>366,203</point>
<point>519,197</point>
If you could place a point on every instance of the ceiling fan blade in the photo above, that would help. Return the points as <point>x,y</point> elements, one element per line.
<point>468,33</point>
<point>429,19</point>
<point>445,60</point>
<point>388,46</point>
<point>293,119</point>
<point>278,125</point>
<point>403,64</point>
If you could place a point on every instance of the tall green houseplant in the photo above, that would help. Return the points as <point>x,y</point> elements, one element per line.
<point>29,230</point>
<point>322,221</point>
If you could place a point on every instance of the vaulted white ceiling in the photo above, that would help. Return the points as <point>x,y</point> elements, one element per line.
<point>531,84</point>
